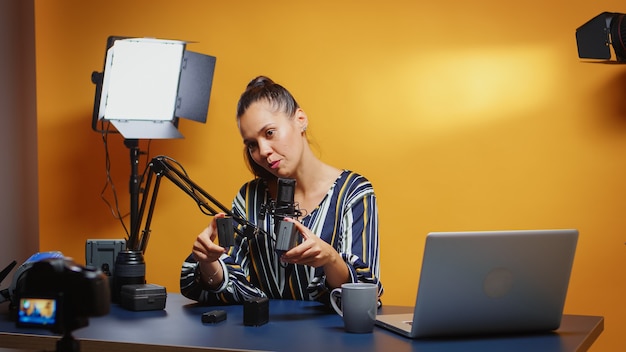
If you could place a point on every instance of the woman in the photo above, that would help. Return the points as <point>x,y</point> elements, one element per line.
<point>338,230</point>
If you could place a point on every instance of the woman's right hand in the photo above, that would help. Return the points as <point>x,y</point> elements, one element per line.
<point>205,250</point>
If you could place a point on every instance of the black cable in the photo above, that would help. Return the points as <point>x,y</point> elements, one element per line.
<point>191,191</point>
<point>115,211</point>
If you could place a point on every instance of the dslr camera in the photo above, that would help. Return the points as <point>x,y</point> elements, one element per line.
<point>60,295</point>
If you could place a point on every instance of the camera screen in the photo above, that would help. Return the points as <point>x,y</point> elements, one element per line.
<point>37,312</point>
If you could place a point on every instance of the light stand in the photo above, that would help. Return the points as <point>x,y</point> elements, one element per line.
<point>135,181</point>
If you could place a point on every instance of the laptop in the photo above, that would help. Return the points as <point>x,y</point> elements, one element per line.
<point>490,282</point>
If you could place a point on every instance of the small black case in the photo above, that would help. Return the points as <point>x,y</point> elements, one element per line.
<point>143,297</point>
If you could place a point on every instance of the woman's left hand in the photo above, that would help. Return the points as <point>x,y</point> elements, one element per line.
<point>313,251</point>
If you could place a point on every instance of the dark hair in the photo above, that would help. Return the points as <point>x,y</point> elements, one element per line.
<point>263,88</point>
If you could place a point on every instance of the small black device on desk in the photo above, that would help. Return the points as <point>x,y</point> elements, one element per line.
<point>256,311</point>
<point>141,297</point>
<point>214,316</point>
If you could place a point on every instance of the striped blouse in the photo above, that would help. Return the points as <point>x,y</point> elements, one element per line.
<point>347,218</point>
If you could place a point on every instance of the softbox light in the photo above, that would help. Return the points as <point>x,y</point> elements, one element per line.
<point>603,32</point>
<point>148,84</point>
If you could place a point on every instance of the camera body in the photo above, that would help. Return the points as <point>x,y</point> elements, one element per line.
<point>60,295</point>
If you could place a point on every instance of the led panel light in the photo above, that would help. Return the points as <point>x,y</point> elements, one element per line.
<point>147,84</point>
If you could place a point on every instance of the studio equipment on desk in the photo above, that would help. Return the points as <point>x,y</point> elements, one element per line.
<point>214,316</point>
<point>102,254</point>
<point>130,269</point>
<point>53,292</point>
<point>597,36</point>
<point>256,311</point>
<point>10,294</point>
<point>141,297</point>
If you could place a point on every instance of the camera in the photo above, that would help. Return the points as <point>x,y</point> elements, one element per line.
<point>60,295</point>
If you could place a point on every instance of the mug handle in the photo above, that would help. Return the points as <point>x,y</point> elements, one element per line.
<point>334,295</point>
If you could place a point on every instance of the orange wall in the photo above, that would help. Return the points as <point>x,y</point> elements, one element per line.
<point>465,116</point>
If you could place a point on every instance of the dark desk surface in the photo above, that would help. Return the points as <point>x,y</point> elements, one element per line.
<point>292,326</point>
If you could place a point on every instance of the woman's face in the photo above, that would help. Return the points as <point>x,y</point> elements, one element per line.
<point>274,139</point>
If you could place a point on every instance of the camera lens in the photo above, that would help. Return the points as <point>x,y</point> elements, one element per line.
<point>130,269</point>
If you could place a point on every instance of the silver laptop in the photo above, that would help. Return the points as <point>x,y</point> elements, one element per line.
<point>493,282</point>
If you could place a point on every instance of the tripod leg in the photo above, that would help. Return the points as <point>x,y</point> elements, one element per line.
<point>67,343</point>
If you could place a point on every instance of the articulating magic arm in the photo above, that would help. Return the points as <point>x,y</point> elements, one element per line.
<point>163,166</point>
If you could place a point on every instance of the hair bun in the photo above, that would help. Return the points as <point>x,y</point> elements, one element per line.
<point>260,81</point>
